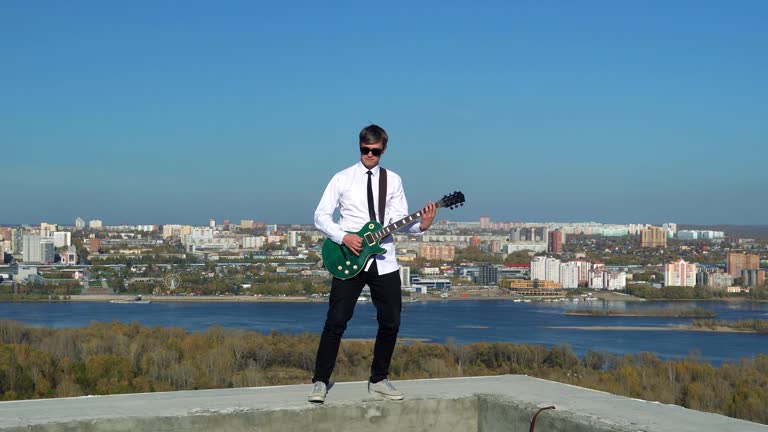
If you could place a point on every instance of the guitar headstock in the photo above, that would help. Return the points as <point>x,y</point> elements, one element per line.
<point>452,200</point>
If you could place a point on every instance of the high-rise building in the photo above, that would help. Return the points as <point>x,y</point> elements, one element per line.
<point>485,222</point>
<point>687,235</point>
<point>752,277</point>
<point>569,275</point>
<point>539,268</point>
<point>601,278</point>
<point>246,224</point>
<point>555,243</point>
<point>47,250</point>
<point>738,261</point>
<point>79,223</point>
<point>202,233</point>
<point>171,231</point>
<point>680,273</point>
<point>545,268</point>
<point>405,276</point>
<point>95,224</point>
<point>528,238</point>
<point>596,278</point>
<point>254,242</point>
<point>62,238</point>
<point>31,251</point>
<point>535,234</point>
<point>5,233</point>
<point>488,275</point>
<point>670,228</point>
<point>17,242</point>
<point>615,280</point>
<point>437,252</point>
<point>553,270</point>
<point>584,267</point>
<point>292,238</point>
<point>714,279</point>
<point>47,230</point>
<point>653,237</point>
<point>212,223</point>
<point>186,230</point>
<point>635,229</point>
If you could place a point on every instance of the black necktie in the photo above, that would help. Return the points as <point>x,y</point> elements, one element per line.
<point>371,212</point>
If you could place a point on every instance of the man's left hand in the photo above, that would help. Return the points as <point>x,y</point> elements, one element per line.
<point>427,216</point>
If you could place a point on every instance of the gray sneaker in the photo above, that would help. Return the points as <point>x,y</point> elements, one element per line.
<point>386,389</point>
<point>317,395</point>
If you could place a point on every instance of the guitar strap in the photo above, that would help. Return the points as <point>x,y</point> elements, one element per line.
<point>382,193</point>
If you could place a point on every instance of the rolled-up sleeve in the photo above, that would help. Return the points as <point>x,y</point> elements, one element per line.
<point>324,212</point>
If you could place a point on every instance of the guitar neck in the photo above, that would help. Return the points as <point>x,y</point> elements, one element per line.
<point>394,226</point>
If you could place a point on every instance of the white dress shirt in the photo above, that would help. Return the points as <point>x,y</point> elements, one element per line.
<point>348,192</point>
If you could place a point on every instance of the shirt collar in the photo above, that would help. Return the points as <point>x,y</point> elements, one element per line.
<point>374,170</point>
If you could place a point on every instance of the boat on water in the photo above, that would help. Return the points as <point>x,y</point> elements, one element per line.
<point>137,300</point>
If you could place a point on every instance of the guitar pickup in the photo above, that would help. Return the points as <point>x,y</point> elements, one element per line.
<point>369,239</point>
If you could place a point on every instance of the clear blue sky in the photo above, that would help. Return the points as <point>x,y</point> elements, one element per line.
<point>175,112</point>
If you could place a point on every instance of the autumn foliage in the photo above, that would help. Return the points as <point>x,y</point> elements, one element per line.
<point>107,358</point>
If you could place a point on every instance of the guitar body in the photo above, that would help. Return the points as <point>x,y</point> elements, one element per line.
<point>342,263</point>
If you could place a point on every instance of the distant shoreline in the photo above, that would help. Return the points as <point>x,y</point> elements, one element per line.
<point>607,296</point>
<point>668,312</point>
<point>201,299</point>
<point>652,328</point>
<point>105,298</point>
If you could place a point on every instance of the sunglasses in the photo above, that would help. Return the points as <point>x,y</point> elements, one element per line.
<point>374,151</point>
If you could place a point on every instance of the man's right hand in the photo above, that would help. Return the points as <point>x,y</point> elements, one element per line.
<point>354,242</point>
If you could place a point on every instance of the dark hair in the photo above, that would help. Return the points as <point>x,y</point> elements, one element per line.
<point>373,134</point>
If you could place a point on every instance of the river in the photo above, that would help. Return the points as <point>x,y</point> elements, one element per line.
<point>466,321</point>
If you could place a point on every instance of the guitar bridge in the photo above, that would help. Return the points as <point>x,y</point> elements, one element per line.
<point>369,239</point>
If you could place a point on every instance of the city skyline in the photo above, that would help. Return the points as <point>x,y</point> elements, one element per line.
<point>236,222</point>
<point>153,113</point>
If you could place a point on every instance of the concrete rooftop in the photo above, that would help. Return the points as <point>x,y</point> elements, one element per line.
<point>483,404</point>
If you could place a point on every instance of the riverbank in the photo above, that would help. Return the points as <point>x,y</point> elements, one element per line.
<point>716,329</point>
<point>201,299</point>
<point>608,296</point>
<point>454,296</point>
<point>669,312</point>
<point>106,298</point>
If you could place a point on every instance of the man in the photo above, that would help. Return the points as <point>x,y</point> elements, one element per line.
<point>353,192</point>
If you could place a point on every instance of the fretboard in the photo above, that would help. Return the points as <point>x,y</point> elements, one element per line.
<point>394,226</point>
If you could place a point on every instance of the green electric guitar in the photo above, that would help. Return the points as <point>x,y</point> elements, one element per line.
<point>343,264</point>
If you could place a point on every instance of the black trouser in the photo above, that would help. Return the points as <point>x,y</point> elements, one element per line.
<point>385,293</point>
